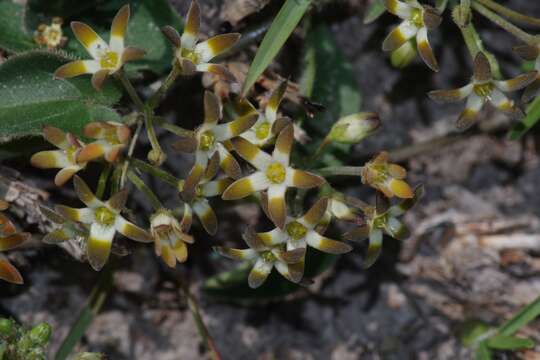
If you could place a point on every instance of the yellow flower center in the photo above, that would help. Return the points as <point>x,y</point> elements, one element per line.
<point>262,131</point>
<point>199,191</point>
<point>417,18</point>
<point>109,60</point>
<point>190,55</point>
<point>104,216</point>
<point>276,173</point>
<point>483,90</point>
<point>70,153</point>
<point>296,230</point>
<point>268,256</point>
<point>207,140</point>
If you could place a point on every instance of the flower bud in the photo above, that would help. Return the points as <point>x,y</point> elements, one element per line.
<point>40,334</point>
<point>156,157</point>
<point>404,55</point>
<point>6,328</point>
<point>354,128</point>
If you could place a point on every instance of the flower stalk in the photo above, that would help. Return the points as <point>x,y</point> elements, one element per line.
<point>506,25</point>
<point>142,187</point>
<point>509,13</point>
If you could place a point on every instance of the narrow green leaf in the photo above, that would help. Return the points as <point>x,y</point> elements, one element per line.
<point>30,97</point>
<point>13,35</point>
<point>283,25</point>
<point>504,342</point>
<point>471,331</point>
<point>531,118</point>
<point>374,11</point>
<point>483,352</point>
<point>524,316</point>
<point>90,310</point>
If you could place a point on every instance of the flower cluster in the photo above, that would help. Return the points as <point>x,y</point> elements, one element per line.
<point>51,35</point>
<point>485,87</point>
<point>260,138</point>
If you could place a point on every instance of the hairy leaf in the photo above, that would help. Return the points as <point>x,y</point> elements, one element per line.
<point>30,97</point>
<point>13,35</point>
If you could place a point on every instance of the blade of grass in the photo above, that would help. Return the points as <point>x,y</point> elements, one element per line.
<point>283,25</point>
<point>90,310</point>
<point>530,119</point>
<point>527,314</point>
<point>503,342</point>
<point>374,11</point>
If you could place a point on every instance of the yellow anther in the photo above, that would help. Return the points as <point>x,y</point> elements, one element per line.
<point>296,230</point>
<point>276,173</point>
<point>483,90</point>
<point>104,216</point>
<point>262,130</point>
<point>206,141</point>
<point>109,60</point>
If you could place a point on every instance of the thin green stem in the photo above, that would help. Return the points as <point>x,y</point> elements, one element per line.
<point>180,131</point>
<point>90,310</point>
<point>131,150</point>
<point>505,24</point>
<point>201,326</point>
<point>156,172</point>
<point>474,45</point>
<point>102,182</point>
<point>121,75</point>
<point>509,13</point>
<point>155,99</point>
<point>340,171</point>
<point>156,155</point>
<point>142,187</point>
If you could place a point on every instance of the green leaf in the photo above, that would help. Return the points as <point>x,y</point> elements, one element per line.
<point>440,5</point>
<point>483,352</point>
<point>531,118</point>
<point>328,79</point>
<point>524,316</point>
<point>232,286</point>
<point>13,35</point>
<point>471,331</point>
<point>30,97</point>
<point>283,25</point>
<point>147,18</point>
<point>504,342</point>
<point>374,11</point>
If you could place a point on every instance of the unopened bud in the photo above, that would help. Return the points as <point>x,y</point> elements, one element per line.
<point>404,55</point>
<point>6,328</point>
<point>354,128</point>
<point>40,334</point>
<point>156,157</point>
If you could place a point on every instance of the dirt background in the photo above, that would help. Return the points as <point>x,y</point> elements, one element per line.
<point>474,252</point>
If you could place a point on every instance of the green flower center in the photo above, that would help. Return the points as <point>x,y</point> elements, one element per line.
<point>296,230</point>
<point>199,191</point>
<point>70,153</point>
<point>268,256</point>
<point>109,60</point>
<point>104,216</point>
<point>380,221</point>
<point>276,173</point>
<point>207,140</point>
<point>417,18</point>
<point>483,90</point>
<point>262,131</point>
<point>190,55</point>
